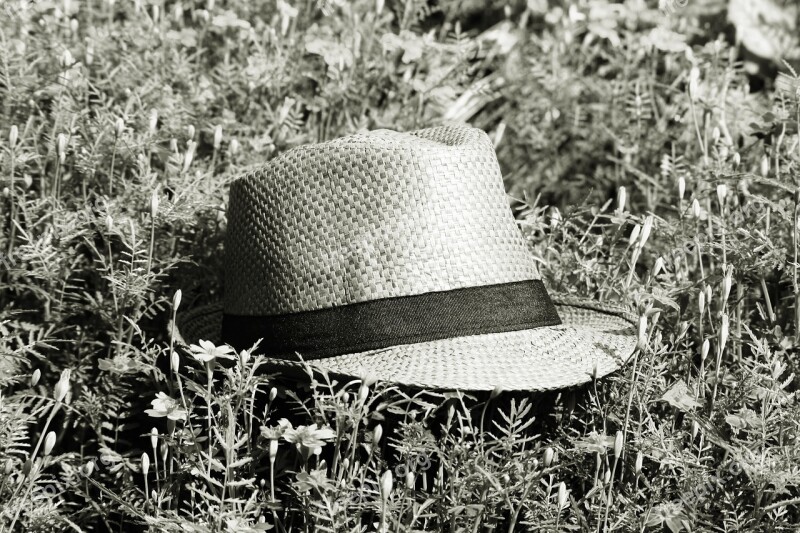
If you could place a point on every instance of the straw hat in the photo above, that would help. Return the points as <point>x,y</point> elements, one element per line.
<point>396,255</point>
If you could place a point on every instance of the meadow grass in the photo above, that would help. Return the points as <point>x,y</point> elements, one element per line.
<point>648,166</point>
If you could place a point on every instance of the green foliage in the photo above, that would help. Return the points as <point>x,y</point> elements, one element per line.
<point>654,162</point>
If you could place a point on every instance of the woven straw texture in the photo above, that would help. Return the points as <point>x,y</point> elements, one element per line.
<point>369,216</point>
<point>387,214</point>
<point>591,336</point>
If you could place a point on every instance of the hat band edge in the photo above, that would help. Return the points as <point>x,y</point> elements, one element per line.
<point>386,322</point>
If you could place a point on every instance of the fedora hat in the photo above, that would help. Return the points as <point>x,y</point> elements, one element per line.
<point>396,255</point>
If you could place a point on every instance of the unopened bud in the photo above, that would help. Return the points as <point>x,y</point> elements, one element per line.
<point>737,159</point>
<point>37,374</point>
<point>49,442</point>
<point>765,166</point>
<point>638,464</point>
<point>681,187</point>
<point>722,192</point>
<point>66,59</point>
<point>175,361</point>
<point>154,439</point>
<point>273,450</point>
<point>119,127</point>
<point>704,349</point>
<point>548,457</point>
<point>245,356</point>
<point>723,332</point>
<point>658,266</point>
<point>696,208</point>
<point>88,469</point>
<point>701,302</point>
<point>695,429</point>
<point>13,135</point>
<point>646,227</point>
<point>187,159</point>
<point>62,387</point>
<point>154,204</point>
<point>217,137</point>
<point>61,147</point>
<point>562,495</point>
<point>153,121</point>
<point>642,339</point>
<point>386,484</point>
<point>619,442</point>
<point>145,463</point>
<point>727,281</point>
<point>363,392</point>
<point>621,199</point>
<point>190,131</point>
<point>273,393</point>
<point>637,229</point>
<point>377,434</point>
<point>176,300</point>
<point>233,147</point>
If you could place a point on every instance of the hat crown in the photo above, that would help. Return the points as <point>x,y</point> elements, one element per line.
<point>374,215</point>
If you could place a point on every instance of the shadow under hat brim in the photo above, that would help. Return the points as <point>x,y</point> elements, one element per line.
<point>592,336</point>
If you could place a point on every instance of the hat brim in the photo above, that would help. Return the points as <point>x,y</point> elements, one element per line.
<point>593,337</point>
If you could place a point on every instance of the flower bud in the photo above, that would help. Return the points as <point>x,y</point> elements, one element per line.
<point>153,121</point>
<point>727,281</point>
<point>715,133</point>
<point>694,82</point>
<point>175,361</point>
<point>273,450</point>
<point>701,302</point>
<point>696,208</point>
<point>190,131</point>
<point>695,429</point>
<point>704,350</point>
<point>245,356</point>
<point>66,59</point>
<point>642,339</point>
<point>681,187</point>
<point>634,234</point>
<point>145,463</point>
<point>49,442</point>
<point>233,147</point>
<point>379,6</point>
<point>176,300</point>
<point>562,495</point>
<point>607,477</point>
<point>377,434</point>
<point>217,137</point>
<point>646,227</point>
<point>154,439</point>
<point>61,147</point>
<point>765,166</point>
<point>638,465</point>
<point>658,266</point>
<point>723,332</point>
<point>62,387</point>
<point>621,199</point>
<point>410,480</point>
<point>109,223</point>
<point>273,393</point>
<point>548,457</point>
<point>154,204</point>
<point>13,135</point>
<point>386,484</point>
<point>619,442</point>
<point>37,374</point>
<point>722,192</point>
<point>555,217</point>
<point>595,371</point>
<point>187,159</point>
<point>363,392</point>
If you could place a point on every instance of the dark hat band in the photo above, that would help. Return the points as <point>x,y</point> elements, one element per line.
<point>386,322</point>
